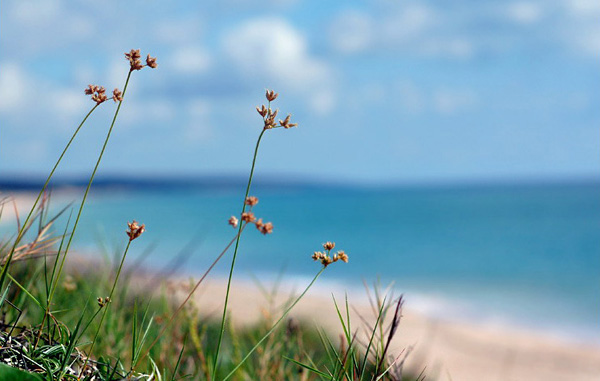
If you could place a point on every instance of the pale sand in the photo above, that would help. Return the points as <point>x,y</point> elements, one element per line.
<point>450,351</point>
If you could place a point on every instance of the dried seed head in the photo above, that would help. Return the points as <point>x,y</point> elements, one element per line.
<point>286,122</point>
<point>101,302</point>
<point>271,95</point>
<point>251,201</point>
<point>233,221</point>
<point>342,256</point>
<point>134,54</point>
<point>136,65</point>
<point>248,217</point>
<point>262,111</point>
<point>98,93</point>
<point>266,228</point>
<point>270,121</point>
<point>134,59</point>
<point>318,255</point>
<point>151,62</point>
<point>326,261</point>
<point>134,230</point>
<point>117,95</point>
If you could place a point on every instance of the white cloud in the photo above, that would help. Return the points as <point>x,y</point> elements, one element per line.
<point>407,27</point>
<point>351,31</point>
<point>408,22</point>
<point>271,48</point>
<point>525,12</point>
<point>14,87</point>
<point>69,103</point>
<point>198,127</point>
<point>139,111</point>
<point>450,101</point>
<point>33,12</point>
<point>588,7</point>
<point>190,60</point>
<point>272,52</point>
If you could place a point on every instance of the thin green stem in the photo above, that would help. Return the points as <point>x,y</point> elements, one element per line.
<point>23,228</point>
<point>237,243</point>
<point>110,296</point>
<point>287,311</point>
<point>87,189</point>
<point>180,308</point>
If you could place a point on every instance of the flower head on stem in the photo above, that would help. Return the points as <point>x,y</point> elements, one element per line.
<point>134,230</point>
<point>326,258</point>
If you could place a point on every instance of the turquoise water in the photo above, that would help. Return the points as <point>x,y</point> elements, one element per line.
<point>517,255</point>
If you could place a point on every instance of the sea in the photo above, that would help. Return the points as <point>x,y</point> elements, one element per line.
<point>519,255</point>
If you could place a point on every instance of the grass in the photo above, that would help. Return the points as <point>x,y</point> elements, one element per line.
<point>90,323</point>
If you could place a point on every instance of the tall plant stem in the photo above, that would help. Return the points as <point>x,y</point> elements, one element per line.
<point>23,228</point>
<point>237,244</point>
<point>285,314</point>
<point>110,296</point>
<point>176,313</point>
<point>87,189</point>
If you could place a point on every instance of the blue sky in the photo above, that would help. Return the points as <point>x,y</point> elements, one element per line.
<point>383,91</point>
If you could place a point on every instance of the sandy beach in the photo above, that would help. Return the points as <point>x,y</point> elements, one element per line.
<point>447,350</point>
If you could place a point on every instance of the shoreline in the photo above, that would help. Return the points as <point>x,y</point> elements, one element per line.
<point>449,350</point>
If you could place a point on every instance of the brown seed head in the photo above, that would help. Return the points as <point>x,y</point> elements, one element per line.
<point>328,245</point>
<point>117,95</point>
<point>151,62</point>
<point>136,65</point>
<point>101,302</point>
<point>262,110</point>
<point>133,54</point>
<point>266,228</point>
<point>99,97</point>
<point>270,121</point>
<point>271,95</point>
<point>251,201</point>
<point>317,255</point>
<point>98,93</point>
<point>248,217</point>
<point>233,221</point>
<point>134,230</point>
<point>134,59</point>
<point>286,122</point>
<point>326,260</point>
<point>342,256</point>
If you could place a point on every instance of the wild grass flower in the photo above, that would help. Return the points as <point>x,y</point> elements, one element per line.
<point>248,217</point>
<point>271,95</point>
<point>117,95</point>
<point>134,230</point>
<point>328,246</point>
<point>151,62</point>
<point>269,123</point>
<point>251,201</point>
<point>326,258</point>
<point>233,221</point>
<point>98,93</point>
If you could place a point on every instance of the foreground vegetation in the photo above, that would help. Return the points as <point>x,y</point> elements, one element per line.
<point>88,323</point>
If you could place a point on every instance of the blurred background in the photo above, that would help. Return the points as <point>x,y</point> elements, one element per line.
<point>449,147</point>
